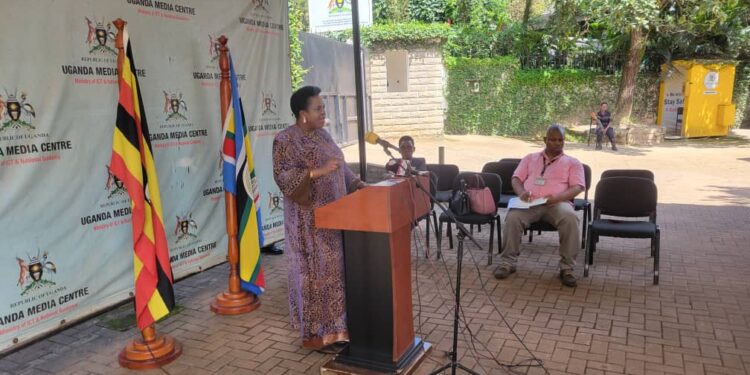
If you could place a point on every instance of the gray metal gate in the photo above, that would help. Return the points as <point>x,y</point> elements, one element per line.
<point>330,66</point>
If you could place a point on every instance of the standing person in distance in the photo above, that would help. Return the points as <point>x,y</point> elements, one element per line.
<point>309,169</point>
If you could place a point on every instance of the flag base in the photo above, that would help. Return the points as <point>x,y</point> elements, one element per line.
<point>142,355</point>
<point>229,303</point>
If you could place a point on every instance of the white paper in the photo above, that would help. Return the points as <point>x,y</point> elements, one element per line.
<point>516,202</point>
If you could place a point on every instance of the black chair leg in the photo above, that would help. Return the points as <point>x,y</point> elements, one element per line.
<point>583,228</point>
<point>479,228</point>
<point>435,223</point>
<point>587,260</point>
<point>531,235</point>
<point>427,238</point>
<point>499,235</point>
<point>450,236</point>
<point>656,241</point>
<point>440,238</point>
<point>489,250</point>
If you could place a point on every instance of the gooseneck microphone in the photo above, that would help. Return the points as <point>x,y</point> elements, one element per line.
<point>374,139</point>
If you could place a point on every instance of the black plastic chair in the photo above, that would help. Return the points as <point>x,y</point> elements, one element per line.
<point>503,168</point>
<point>578,205</point>
<point>445,173</point>
<point>642,173</point>
<point>624,197</point>
<point>432,214</point>
<point>493,182</point>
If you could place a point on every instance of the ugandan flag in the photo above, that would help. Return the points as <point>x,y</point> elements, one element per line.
<point>239,180</point>
<point>133,163</point>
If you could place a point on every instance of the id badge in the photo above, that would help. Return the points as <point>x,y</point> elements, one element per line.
<point>540,181</point>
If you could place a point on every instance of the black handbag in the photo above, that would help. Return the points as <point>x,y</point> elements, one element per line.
<point>459,203</point>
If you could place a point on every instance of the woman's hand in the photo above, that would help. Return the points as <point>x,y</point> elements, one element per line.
<point>327,168</point>
<point>360,185</point>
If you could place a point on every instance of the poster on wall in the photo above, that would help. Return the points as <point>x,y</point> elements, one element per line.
<point>334,15</point>
<point>66,249</point>
<point>673,101</point>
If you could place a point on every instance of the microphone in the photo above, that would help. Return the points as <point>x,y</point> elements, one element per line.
<point>374,139</point>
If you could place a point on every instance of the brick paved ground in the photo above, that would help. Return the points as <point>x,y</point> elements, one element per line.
<point>697,321</point>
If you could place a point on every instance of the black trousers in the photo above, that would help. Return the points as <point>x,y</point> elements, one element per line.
<point>610,135</point>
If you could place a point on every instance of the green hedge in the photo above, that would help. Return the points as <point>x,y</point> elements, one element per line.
<point>398,35</point>
<point>514,102</point>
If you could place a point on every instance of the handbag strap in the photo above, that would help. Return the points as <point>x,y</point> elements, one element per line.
<point>478,182</point>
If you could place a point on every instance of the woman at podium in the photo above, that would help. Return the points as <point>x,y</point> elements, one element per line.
<point>310,170</point>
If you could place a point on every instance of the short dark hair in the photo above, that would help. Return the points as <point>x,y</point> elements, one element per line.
<point>300,98</point>
<point>602,103</point>
<point>404,139</point>
<point>558,128</point>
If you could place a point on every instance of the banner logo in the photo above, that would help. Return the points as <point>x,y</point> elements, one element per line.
<point>184,228</point>
<point>103,36</point>
<point>16,111</point>
<point>172,104</point>
<point>339,6</point>
<point>261,5</point>
<point>114,185</point>
<point>213,47</point>
<point>274,202</point>
<point>34,271</point>
<point>268,105</point>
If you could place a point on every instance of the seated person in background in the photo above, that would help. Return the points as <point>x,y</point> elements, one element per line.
<point>558,177</point>
<point>603,119</point>
<point>400,166</point>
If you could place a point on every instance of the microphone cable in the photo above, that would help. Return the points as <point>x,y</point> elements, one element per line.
<point>536,362</point>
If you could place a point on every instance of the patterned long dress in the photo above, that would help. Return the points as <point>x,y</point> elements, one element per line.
<point>315,257</point>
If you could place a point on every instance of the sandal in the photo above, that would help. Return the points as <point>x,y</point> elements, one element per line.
<point>334,348</point>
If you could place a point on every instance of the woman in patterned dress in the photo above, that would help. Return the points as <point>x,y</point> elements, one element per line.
<point>309,169</point>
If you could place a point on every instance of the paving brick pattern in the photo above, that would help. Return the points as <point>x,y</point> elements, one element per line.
<point>697,321</point>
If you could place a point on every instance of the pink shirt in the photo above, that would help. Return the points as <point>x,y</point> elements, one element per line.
<point>560,174</point>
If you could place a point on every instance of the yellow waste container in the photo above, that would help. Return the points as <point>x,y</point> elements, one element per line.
<point>695,98</point>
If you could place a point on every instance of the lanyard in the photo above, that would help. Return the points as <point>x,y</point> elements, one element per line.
<point>545,164</point>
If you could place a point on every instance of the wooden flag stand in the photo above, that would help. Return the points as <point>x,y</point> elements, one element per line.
<point>153,350</point>
<point>235,301</point>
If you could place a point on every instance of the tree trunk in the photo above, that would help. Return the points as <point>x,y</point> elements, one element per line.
<point>629,72</point>
<point>746,116</point>
<point>526,14</point>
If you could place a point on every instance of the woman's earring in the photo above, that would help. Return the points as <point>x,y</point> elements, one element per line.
<point>304,120</point>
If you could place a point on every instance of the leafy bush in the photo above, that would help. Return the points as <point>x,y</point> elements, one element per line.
<point>514,102</point>
<point>295,44</point>
<point>428,10</point>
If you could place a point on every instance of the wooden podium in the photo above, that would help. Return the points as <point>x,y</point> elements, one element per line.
<point>377,222</point>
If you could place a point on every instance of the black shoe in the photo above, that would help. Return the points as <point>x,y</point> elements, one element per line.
<point>334,348</point>
<point>614,148</point>
<point>502,272</point>
<point>272,249</point>
<point>568,278</point>
<point>599,146</point>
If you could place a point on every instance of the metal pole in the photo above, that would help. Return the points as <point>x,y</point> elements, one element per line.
<point>441,155</point>
<point>359,85</point>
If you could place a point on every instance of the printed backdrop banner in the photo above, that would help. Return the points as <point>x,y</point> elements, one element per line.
<point>333,15</point>
<point>66,248</point>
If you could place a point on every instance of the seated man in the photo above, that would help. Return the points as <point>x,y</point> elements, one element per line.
<point>603,119</point>
<point>399,166</point>
<point>559,178</point>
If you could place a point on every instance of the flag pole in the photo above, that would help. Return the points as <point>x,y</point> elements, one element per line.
<point>152,350</point>
<point>234,301</point>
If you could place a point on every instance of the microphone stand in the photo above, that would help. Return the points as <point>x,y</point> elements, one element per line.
<point>460,235</point>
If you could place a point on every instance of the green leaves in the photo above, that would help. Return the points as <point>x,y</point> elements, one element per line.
<point>515,102</point>
<point>295,45</point>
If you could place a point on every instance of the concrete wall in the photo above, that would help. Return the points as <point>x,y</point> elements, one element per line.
<point>418,111</point>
